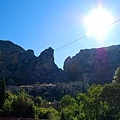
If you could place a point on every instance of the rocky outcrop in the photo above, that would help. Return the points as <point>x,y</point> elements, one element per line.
<point>93,65</point>
<point>19,66</point>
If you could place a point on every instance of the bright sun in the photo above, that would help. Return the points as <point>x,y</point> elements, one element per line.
<point>97,22</point>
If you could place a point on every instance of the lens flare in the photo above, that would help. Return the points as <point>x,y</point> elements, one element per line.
<point>97,22</point>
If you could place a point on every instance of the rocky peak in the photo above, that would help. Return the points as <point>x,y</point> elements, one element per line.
<point>8,46</point>
<point>23,67</point>
<point>30,52</point>
<point>47,54</point>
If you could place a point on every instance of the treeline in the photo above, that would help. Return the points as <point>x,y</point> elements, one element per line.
<point>100,102</point>
<point>25,106</point>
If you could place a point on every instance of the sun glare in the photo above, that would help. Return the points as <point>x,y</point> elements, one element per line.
<point>97,21</point>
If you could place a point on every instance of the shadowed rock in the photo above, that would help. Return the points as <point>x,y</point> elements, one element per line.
<point>93,65</point>
<point>23,67</point>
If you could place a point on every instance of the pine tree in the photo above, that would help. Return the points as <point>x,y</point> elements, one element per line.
<point>2,93</point>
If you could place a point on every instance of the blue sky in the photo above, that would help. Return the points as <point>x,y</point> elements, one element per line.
<point>39,24</point>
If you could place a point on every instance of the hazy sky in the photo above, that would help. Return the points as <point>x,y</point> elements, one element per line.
<point>39,24</point>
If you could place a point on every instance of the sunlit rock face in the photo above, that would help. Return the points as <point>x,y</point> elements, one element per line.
<point>93,65</point>
<point>23,67</point>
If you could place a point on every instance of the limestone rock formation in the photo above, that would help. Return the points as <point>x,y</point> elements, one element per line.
<point>19,66</point>
<point>93,65</point>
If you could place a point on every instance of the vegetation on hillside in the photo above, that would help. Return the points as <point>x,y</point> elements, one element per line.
<point>100,102</point>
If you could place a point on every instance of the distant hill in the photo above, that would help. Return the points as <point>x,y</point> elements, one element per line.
<point>19,66</point>
<point>93,65</point>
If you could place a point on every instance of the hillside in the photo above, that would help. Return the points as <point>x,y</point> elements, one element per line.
<point>93,65</point>
<point>19,66</point>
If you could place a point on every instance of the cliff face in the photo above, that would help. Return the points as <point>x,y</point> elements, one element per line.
<point>93,65</point>
<point>21,66</point>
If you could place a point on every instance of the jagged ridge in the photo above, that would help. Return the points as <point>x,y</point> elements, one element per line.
<point>19,66</point>
<point>23,67</point>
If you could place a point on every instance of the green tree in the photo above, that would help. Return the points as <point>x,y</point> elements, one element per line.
<point>22,105</point>
<point>67,113</point>
<point>116,77</point>
<point>81,97</point>
<point>69,108</point>
<point>90,104</point>
<point>111,96</point>
<point>41,112</point>
<point>2,93</point>
<point>38,101</point>
<point>54,115</point>
<point>46,113</point>
<point>7,104</point>
<point>67,100</point>
<point>62,116</point>
<point>7,108</point>
<point>81,100</point>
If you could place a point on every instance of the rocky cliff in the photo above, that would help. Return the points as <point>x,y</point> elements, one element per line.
<point>19,66</point>
<point>93,65</point>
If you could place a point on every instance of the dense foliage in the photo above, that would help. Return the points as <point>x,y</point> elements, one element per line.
<point>26,106</point>
<point>100,102</point>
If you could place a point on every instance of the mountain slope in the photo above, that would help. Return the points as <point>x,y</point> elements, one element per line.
<point>19,66</point>
<point>23,67</point>
<point>93,65</point>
